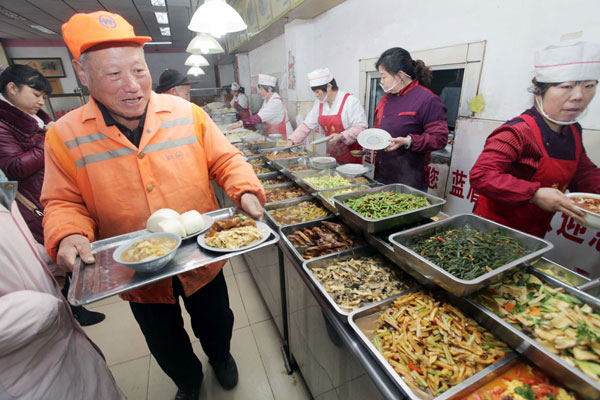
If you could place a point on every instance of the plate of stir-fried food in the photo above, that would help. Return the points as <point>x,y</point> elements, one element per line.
<point>234,234</point>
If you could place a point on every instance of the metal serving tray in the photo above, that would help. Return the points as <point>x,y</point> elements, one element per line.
<point>105,277</point>
<point>261,176</point>
<point>359,222</point>
<point>272,176</point>
<point>283,204</point>
<point>283,163</point>
<point>567,375</point>
<point>286,149</point>
<point>357,252</point>
<point>299,177</point>
<point>289,229</point>
<point>283,185</point>
<point>363,321</point>
<point>460,287</point>
<point>559,272</point>
<point>328,203</point>
<point>250,153</point>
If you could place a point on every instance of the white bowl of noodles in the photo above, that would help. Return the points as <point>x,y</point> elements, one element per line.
<point>590,204</point>
<point>149,252</point>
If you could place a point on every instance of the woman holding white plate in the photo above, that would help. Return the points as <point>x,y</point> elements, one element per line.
<point>339,115</point>
<point>413,116</point>
<point>528,162</point>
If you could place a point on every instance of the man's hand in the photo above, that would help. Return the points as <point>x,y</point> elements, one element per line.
<point>70,247</point>
<point>236,125</point>
<point>335,137</point>
<point>251,205</point>
<point>395,143</point>
<point>550,199</point>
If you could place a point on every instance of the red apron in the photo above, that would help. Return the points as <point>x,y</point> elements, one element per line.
<point>333,124</point>
<point>243,113</point>
<point>551,172</point>
<point>277,128</point>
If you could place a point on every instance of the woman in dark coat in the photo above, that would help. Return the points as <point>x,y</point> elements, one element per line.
<point>23,126</point>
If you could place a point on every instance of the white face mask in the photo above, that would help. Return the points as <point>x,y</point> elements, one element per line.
<point>540,105</point>
<point>387,90</point>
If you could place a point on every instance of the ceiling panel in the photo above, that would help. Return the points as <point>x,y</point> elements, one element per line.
<point>58,9</point>
<point>128,10</point>
<point>87,6</point>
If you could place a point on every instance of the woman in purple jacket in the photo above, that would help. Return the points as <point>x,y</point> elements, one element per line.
<point>23,126</point>
<point>412,115</point>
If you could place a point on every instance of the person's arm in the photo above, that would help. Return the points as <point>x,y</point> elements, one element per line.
<point>435,125</point>
<point>357,120</point>
<point>227,166</point>
<point>65,213</point>
<point>16,163</point>
<point>310,123</point>
<point>587,176</point>
<point>243,101</point>
<point>251,121</point>
<point>24,316</point>
<point>489,175</point>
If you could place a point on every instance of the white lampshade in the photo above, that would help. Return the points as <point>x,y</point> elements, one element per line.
<point>195,71</point>
<point>217,18</point>
<point>196,60</point>
<point>203,43</point>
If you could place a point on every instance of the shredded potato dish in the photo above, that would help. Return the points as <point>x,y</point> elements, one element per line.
<point>234,238</point>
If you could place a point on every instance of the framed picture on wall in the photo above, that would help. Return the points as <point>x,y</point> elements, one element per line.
<point>49,67</point>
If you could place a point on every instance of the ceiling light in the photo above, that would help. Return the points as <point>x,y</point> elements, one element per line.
<point>158,3</point>
<point>217,18</point>
<point>162,17</point>
<point>42,29</point>
<point>165,31</point>
<point>196,60</point>
<point>203,43</point>
<point>195,71</point>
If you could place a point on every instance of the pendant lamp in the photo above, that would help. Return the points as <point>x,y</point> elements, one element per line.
<point>217,18</point>
<point>203,43</point>
<point>196,60</point>
<point>195,71</point>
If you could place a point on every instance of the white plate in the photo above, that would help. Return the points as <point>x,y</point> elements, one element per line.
<point>321,140</point>
<point>592,220</point>
<point>352,169</point>
<point>208,221</point>
<point>262,227</point>
<point>374,139</point>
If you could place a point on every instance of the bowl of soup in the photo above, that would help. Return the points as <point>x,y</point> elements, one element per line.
<point>149,252</point>
<point>590,204</point>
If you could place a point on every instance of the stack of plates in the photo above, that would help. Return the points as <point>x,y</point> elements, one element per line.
<point>323,162</point>
<point>352,169</point>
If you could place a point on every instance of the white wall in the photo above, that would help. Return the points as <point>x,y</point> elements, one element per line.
<point>270,59</point>
<point>226,74</point>
<point>69,83</point>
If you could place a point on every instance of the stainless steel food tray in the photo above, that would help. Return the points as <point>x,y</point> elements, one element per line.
<point>261,176</point>
<point>283,185</point>
<point>273,176</point>
<point>559,270</point>
<point>569,376</point>
<point>105,277</point>
<point>359,222</point>
<point>299,177</point>
<point>286,149</point>
<point>283,204</point>
<point>282,163</point>
<point>357,252</point>
<point>363,321</point>
<point>460,287</point>
<point>289,229</point>
<point>328,203</point>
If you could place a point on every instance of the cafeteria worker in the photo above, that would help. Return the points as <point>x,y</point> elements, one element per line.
<point>528,163</point>
<point>272,113</point>
<point>339,115</point>
<point>412,115</point>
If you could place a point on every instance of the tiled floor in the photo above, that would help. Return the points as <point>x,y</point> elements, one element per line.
<point>255,346</point>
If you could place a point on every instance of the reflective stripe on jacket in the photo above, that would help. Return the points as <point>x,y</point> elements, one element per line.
<point>100,185</point>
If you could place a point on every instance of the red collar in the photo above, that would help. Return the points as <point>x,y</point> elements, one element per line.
<point>407,89</point>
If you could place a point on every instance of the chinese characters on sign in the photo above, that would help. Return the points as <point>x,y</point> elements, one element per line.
<point>574,232</point>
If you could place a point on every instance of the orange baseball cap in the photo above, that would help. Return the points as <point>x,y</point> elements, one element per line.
<point>83,31</point>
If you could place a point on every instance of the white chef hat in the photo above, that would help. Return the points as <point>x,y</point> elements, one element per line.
<point>573,62</point>
<point>267,80</point>
<point>235,86</point>
<point>319,77</point>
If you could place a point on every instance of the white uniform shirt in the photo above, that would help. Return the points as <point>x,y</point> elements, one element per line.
<point>352,114</point>
<point>272,112</point>
<point>242,100</point>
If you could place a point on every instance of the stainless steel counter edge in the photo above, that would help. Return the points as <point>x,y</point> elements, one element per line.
<point>388,389</point>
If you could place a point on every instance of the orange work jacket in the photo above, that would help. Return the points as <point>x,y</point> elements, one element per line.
<point>98,184</point>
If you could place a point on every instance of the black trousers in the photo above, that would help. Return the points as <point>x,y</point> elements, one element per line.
<point>169,343</point>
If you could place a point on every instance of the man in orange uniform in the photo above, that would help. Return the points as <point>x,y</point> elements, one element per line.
<point>125,154</point>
